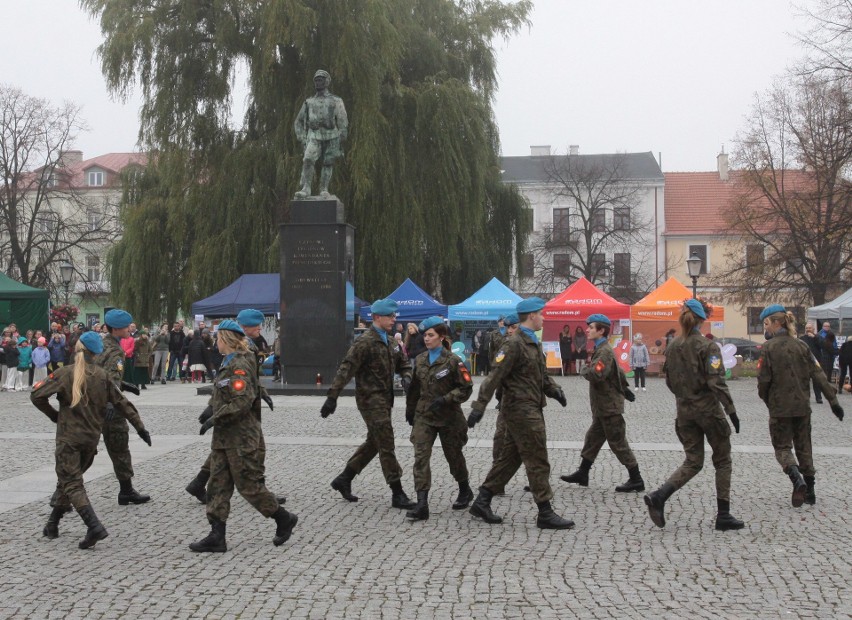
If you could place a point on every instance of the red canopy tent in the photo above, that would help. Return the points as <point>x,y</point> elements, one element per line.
<point>575,303</point>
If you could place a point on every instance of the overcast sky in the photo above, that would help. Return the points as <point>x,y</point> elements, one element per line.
<point>675,77</point>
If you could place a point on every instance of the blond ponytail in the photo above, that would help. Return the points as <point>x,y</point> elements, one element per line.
<point>78,390</point>
<point>791,324</point>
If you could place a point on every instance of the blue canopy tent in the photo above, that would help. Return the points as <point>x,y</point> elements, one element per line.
<point>487,304</point>
<point>415,304</point>
<point>261,291</point>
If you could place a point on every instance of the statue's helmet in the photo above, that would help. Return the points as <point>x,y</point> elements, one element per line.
<point>322,73</point>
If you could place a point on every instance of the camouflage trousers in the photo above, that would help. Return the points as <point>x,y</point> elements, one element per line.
<point>71,463</point>
<point>691,434</point>
<point>379,442</point>
<point>243,469</point>
<point>261,455</point>
<point>526,443</point>
<point>499,436</point>
<point>610,429</point>
<point>790,433</point>
<point>453,438</point>
<point>116,441</point>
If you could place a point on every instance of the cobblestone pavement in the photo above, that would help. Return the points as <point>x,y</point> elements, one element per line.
<point>365,560</point>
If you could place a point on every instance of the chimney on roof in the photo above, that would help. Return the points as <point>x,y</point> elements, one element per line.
<point>540,151</point>
<point>722,165</point>
<point>574,149</point>
<point>68,158</point>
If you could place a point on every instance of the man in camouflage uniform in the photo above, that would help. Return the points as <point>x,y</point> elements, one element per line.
<point>77,433</point>
<point>696,376</point>
<point>607,390</point>
<point>372,360</point>
<point>521,370</point>
<point>786,369</point>
<point>115,427</point>
<point>510,323</point>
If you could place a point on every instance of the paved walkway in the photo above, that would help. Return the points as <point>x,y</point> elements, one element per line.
<point>365,560</point>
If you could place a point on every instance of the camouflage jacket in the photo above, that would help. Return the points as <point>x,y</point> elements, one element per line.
<point>111,359</point>
<point>606,382</point>
<point>784,373</point>
<point>495,342</point>
<point>82,425</point>
<point>520,368</point>
<point>373,364</point>
<point>256,358</point>
<point>235,424</point>
<point>447,377</point>
<point>696,376</point>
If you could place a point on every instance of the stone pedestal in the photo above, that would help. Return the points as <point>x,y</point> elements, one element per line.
<point>317,293</point>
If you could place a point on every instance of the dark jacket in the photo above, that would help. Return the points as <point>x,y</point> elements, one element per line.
<point>176,339</point>
<point>197,351</point>
<point>696,376</point>
<point>846,352</point>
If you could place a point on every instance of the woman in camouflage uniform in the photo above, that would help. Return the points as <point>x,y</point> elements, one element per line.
<point>236,459</point>
<point>83,390</point>
<point>440,383</point>
<point>785,370</point>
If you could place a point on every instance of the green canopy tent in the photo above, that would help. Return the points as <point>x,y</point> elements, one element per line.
<point>25,306</point>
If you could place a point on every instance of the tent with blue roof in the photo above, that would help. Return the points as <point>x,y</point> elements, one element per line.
<point>489,303</point>
<point>415,304</point>
<point>261,291</point>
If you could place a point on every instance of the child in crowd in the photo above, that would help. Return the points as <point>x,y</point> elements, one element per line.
<point>12,357</point>
<point>25,360</point>
<point>41,358</point>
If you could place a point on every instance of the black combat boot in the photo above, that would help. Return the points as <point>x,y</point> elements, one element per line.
<point>51,528</point>
<point>799,486</point>
<point>655,502</point>
<point>128,495</point>
<point>549,520</point>
<point>285,522</point>
<point>724,519</point>
<point>343,484</point>
<point>482,507</point>
<point>634,483</point>
<point>421,511</point>
<point>398,497</point>
<point>96,529</point>
<point>198,487</point>
<point>581,476</point>
<point>214,542</point>
<point>465,496</point>
<point>810,494</point>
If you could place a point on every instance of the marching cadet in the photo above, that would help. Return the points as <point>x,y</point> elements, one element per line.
<point>115,427</point>
<point>84,390</point>
<point>510,322</point>
<point>521,370</point>
<point>439,385</point>
<point>785,370</point>
<point>608,388</point>
<point>372,360</point>
<point>696,376</point>
<point>236,458</point>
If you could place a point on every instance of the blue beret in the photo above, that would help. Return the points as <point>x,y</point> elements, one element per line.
<point>599,318</point>
<point>432,321</point>
<point>118,319</point>
<point>232,326</point>
<point>771,310</point>
<point>502,317</point>
<point>511,319</point>
<point>250,317</point>
<point>93,342</point>
<point>384,307</point>
<point>533,304</point>
<point>696,307</point>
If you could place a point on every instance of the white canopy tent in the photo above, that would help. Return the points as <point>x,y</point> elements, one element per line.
<point>839,308</point>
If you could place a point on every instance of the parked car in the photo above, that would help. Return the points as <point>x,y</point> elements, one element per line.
<point>749,349</point>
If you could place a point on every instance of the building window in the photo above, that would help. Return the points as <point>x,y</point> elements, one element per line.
<point>46,223</point>
<point>562,265</point>
<point>94,219</point>
<point>621,270</point>
<point>93,268</point>
<point>754,257</point>
<point>95,178</point>
<point>701,251</point>
<point>527,266</point>
<point>598,265</point>
<point>598,220</point>
<point>621,218</point>
<point>755,325</point>
<point>561,229</point>
<point>51,180</point>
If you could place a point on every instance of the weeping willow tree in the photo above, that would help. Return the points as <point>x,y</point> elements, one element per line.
<point>420,177</point>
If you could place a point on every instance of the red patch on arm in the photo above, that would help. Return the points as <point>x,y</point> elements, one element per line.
<point>239,372</point>
<point>599,366</point>
<point>239,385</point>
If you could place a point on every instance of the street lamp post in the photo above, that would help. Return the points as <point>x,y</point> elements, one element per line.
<point>693,268</point>
<point>66,272</point>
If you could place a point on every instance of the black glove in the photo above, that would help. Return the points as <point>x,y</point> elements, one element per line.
<point>145,436</point>
<point>735,420</point>
<point>409,416</point>
<point>837,410</point>
<point>208,424</point>
<point>328,407</point>
<point>629,395</point>
<point>268,400</point>
<point>206,414</point>
<point>110,413</point>
<point>406,383</point>
<point>129,387</point>
<point>474,418</point>
<point>560,398</point>
<point>437,403</point>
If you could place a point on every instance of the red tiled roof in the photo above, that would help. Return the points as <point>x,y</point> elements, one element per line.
<point>111,162</point>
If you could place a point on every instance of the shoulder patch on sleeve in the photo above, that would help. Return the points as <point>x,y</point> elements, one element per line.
<point>239,371</point>
<point>715,362</point>
<point>239,385</point>
<point>120,366</point>
<point>464,373</point>
<point>599,367</point>
<point>501,355</point>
